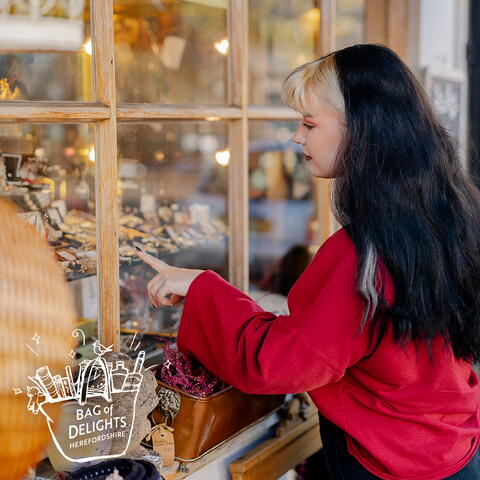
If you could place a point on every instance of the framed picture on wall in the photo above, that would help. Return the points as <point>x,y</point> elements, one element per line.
<point>446,89</point>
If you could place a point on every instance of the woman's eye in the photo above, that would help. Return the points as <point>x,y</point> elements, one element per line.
<point>308,126</point>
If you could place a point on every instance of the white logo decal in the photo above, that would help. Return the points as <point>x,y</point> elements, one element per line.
<point>89,404</point>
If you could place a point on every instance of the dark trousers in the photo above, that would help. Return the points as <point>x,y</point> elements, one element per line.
<point>343,466</point>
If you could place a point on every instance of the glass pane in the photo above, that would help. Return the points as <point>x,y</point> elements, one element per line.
<point>45,54</point>
<point>173,194</point>
<point>350,25</point>
<point>280,211</point>
<point>171,52</point>
<point>48,171</point>
<point>282,35</point>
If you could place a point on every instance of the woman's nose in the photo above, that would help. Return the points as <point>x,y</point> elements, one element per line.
<point>298,136</point>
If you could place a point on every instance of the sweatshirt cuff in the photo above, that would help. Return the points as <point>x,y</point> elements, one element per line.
<point>199,283</point>
<point>196,298</point>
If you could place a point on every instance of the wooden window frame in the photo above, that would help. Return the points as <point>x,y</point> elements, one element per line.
<point>103,113</point>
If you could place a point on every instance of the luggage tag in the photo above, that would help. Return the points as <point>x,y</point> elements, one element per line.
<point>163,442</point>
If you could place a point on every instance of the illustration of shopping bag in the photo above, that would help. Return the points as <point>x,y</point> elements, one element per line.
<point>89,421</point>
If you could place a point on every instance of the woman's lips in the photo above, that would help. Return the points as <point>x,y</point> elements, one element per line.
<point>307,157</point>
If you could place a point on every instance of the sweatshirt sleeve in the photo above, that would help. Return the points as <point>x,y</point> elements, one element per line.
<point>258,352</point>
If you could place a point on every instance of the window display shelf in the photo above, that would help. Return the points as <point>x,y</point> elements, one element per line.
<point>175,230</point>
<point>157,236</point>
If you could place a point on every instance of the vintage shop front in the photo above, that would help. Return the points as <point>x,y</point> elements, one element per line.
<point>160,121</point>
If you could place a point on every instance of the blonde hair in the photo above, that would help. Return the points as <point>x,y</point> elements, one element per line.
<point>321,77</point>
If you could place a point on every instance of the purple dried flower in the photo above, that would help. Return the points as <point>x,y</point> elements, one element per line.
<point>188,374</point>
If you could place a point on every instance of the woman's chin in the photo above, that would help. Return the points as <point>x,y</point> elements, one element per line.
<point>317,173</point>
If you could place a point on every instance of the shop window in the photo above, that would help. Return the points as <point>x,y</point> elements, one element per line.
<point>282,35</point>
<point>171,52</point>
<point>280,207</point>
<point>48,171</point>
<point>173,181</point>
<point>45,50</point>
<point>349,24</point>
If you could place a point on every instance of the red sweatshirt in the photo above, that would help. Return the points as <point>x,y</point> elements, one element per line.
<point>404,418</point>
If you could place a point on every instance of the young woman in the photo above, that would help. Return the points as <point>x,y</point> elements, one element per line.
<point>384,323</point>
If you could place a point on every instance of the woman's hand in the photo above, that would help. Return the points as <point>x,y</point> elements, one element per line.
<point>171,284</point>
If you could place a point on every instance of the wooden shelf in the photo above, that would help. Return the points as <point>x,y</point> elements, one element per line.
<point>276,456</point>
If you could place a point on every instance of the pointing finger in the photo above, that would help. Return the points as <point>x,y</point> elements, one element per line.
<point>155,263</point>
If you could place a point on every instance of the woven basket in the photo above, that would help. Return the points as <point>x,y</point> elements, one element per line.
<point>34,299</point>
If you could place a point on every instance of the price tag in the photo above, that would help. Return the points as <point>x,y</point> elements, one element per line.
<point>164,443</point>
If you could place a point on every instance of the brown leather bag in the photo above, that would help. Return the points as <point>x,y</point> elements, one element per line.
<point>202,423</point>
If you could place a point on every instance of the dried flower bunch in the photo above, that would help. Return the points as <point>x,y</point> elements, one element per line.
<point>188,374</point>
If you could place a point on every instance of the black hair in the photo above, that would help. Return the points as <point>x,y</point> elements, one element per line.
<point>406,201</point>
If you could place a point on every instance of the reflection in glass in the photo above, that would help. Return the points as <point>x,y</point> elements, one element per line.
<point>282,35</point>
<point>173,197</point>
<point>45,50</point>
<point>350,24</point>
<point>280,209</point>
<point>171,52</point>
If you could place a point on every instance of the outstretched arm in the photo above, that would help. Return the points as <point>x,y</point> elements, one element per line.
<point>258,352</point>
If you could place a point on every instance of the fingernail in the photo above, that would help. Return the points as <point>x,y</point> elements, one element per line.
<point>153,306</point>
<point>137,246</point>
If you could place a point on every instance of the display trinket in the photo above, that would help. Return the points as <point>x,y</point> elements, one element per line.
<point>9,90</point>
